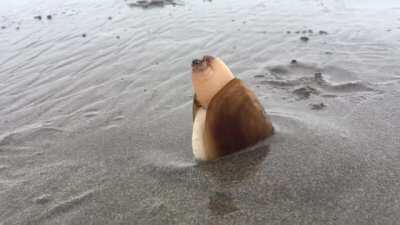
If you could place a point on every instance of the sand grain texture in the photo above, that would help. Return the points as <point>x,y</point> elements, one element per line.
<point>97,130</point>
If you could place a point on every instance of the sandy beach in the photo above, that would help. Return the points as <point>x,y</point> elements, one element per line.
<point>96,120</point>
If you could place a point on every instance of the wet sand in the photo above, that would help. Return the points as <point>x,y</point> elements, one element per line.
<point>95,112</point>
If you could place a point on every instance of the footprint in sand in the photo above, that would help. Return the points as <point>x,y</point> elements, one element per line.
<point>302,81</point>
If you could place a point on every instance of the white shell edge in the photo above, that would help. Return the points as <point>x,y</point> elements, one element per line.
<point>199,150</point>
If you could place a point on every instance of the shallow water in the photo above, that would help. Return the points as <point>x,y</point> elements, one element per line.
<point>95,112</point>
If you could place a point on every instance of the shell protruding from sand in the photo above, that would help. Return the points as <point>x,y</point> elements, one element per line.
<point>227,115</point>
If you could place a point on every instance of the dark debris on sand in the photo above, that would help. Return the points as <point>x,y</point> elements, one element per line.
<point>293,61</point>
<point>84,35</point>
<point>37,17</point>
<point>309,31</point>
<point>322,32</point>
<point>318,106</point>
<point>3,27</point>
<point>259,76</point>
<point>145,4</point>
<point>305,92</point>
<point>304,38</point>
<point>318,75</point>
<point>49,17</point>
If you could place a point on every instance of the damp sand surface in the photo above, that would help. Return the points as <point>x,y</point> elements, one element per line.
<point>95,112</point>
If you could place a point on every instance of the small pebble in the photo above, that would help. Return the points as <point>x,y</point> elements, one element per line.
<point>304,38</point>
<point>293,61</point>
<point>318,75</point>
<point>43,199</point>
<point>38,17</point>
<point>317,106</point>
<point>109,18</point>
<point>117,37</point>
<point>83,35</point>
<point>49,17</point>
<point>322,32</point>
<point>17,28</point>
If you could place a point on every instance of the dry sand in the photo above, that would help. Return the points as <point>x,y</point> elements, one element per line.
<point>95,112</point>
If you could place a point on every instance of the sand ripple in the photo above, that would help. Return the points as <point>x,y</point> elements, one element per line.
<point>95,112</point>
